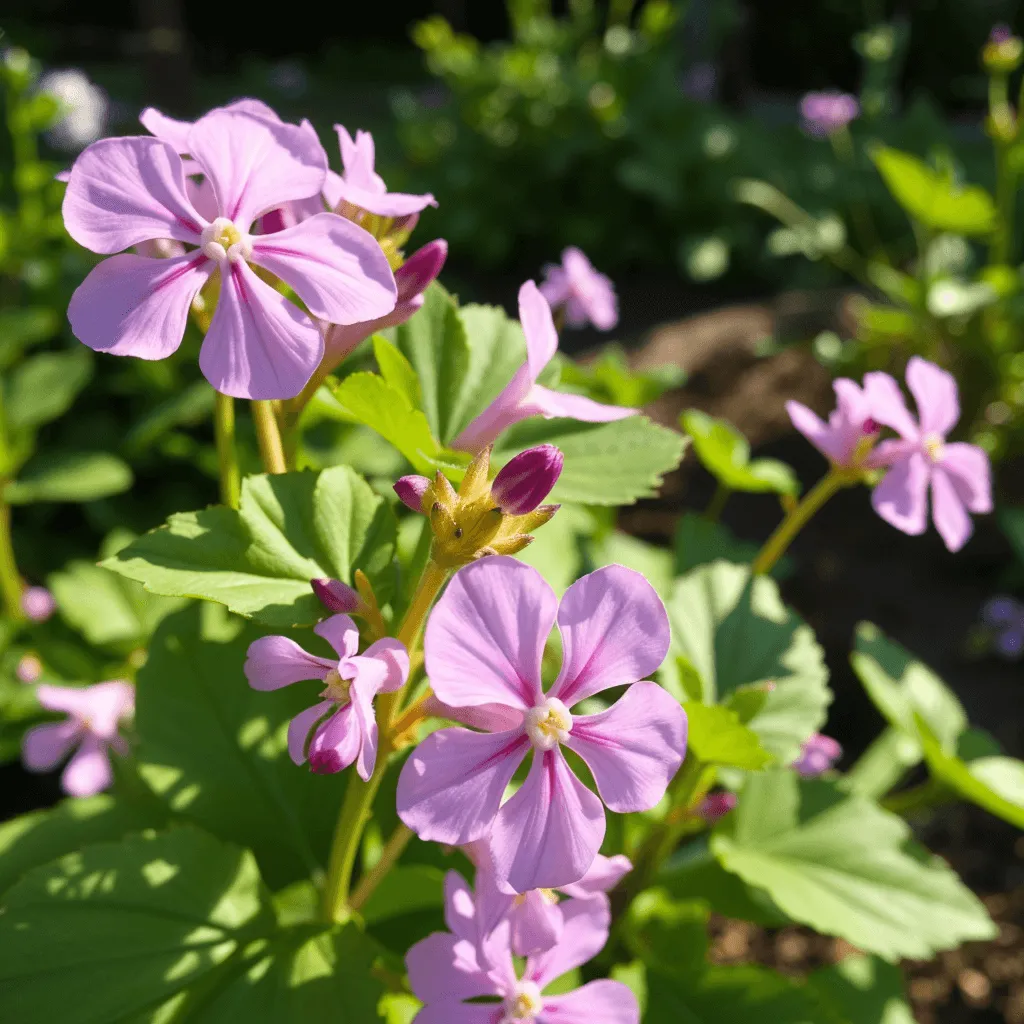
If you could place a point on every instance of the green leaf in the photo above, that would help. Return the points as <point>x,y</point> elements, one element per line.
<point>605,463</point>
<point>434,341</point>
<point>993,783</point>
<point>667,933</point>
<point>932,198</point>
<point>258,561</point>
<point>216,750</point>
<point>651,561</point>
<point>883,764</point>
<point>717,736</point>
<point>725,453</point>
<point>371,400</point>
<point>20,328</point>
<point>43,388</point>
<point>188,407</point>
<point>901,687</point>
<point>71,477</point>
<point>736,631</point>
<point>37,838</point>
<point>405,890</point>
<point>609,379</point>
<point>842,865</point>
<point>106,608</point>
<point>171,926</point>
<point>555,552</point>
<point>397,371</point>
<point>699,541</point>
<point>863,990</point>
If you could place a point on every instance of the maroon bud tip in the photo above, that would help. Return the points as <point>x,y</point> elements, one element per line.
<point>410,491</point>
<point>336,596</point>
<point>869,426</point>
<point>716,805</point>
<point>526,480</point>
<point>325,762</point>
<point>420,269</point>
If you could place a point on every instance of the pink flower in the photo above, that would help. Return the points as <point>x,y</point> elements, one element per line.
<point>38,604</point>
<point>818,755</point>
<point>412,279</point>
<point>359,184</point>
<point>483,648</point>
<point>446,969</point>
<point>850,434</point>
<point>127,191</point>
<point>29,668</point>
<point>586,295</point>
<point>824,113</point>
<point>537,918</point>
<point>94,714</point>
<point>523,396</point>
<point>716,806</point>
<point>957,473</point>
<point>341,727</point>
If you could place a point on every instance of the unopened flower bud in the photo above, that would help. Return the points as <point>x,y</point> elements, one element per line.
<point>420,269</point>
<point>818,755</point>
<point>336,596</point>
<point>29,668</point>
<point>38,604</point>
<point>525,481</point>
<point>715,806</point>
<point>410,491</point>
<point>1003,51</point>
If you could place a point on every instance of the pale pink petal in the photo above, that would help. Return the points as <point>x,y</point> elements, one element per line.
<point>505,410</point>
<point>538,327</point>
<point>452,784</point>
<point>255,164</point>
<point>44,746</point>
<point>106,701</point>
<point>604,874</point>
<point>934,391</point>
<point>362,186</point>
<point>555,286</point>
<point>88,772</point>
<point>486,717</point>
<point>136,306</point>
<point>584,933</point>
<point>125,191</point>
<point>634,748</point>
<point>448,1012</point>
<point>338,270</point>
<point>384,204</point>
<point>485,637</point>
<point>358,157</point>
<point>890,451</point>
<point>203,198</point>
<point>341,633</point>
<point>549,832</point>
<point>275,661</point>
<point>259,344</point>
<point>901,499</point>
<point>301,726</point>
<point>536,923</point>
<point>336,741</point>
<point>395,658</point>
<point>888,405</point>
<point>441,968</point>
<point>819,433</point>
<point>597,1002</point>
<point>460,907</point>
<point>948,511</point>
<point>362,691</point>
<point>168,129</point>
<point>543,401</point>
<point>968,469</point>
<point>106,704</point>
<point>614,630</point>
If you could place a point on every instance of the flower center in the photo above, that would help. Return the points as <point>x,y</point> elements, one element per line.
<point>934,447</point>
<point>524,1005</point>
<point>547,895</point>
<point>548,724</point>
<point>336,688</point>
<point>222,240</point>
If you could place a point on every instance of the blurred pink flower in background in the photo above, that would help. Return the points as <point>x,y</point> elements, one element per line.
<point>584,294</point>
<point>824,113</point>
<point>37,603</point>
<point>817,756</point>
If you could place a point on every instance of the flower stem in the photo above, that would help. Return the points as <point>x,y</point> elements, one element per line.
<point>776,545</point>
<point>926,796</point>
<point>268,435</point>
<point>427,589</point>
<point>717,502</point>
<point>393,848</point>
<point>227,454</point>
<point>10,578</point>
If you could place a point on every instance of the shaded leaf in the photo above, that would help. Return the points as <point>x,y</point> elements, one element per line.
<point>71,477</point>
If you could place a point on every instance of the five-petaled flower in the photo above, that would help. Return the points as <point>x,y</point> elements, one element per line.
<point>447,969</point>
<point>341,727</point>
<point>958,474</point>
<point>523,397</point>
<point>94,714</point>
<point>817,755</point>
<point>584,294</point>
<point>126,191</point>
<point>483,647</point>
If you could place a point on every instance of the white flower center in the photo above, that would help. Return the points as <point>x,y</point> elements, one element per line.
<point>336,688</point>
<point>934,447</point>
<point>222,240</point>
<point>548,724</point>
<point>524,1004</point>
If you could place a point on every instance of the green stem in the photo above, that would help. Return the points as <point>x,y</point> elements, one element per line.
<point>427,589</point>
<point>1006,197</point>
<point>393,848</point>
<point>10,578</point>
<point>227,453</point>
<point>268,436</point>
<point>717,502</point>
<point>776,545</point>
<point>917,798</point>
